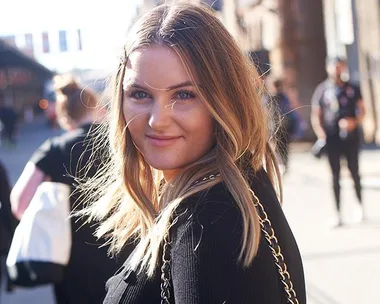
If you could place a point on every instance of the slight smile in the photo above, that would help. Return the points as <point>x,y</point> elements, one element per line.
<point>162,141</point>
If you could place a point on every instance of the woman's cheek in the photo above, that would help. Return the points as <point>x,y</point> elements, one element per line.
<point>132,112</point>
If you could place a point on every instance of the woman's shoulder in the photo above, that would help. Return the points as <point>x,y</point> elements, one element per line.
<point>208,203</point>
<point>217,208</point>
<point>220,197</point>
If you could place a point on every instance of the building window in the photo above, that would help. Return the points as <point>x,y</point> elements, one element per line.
<point>62,41</point>
<point>79,40</point>
<point>29,44</point>
<point>45,42</point>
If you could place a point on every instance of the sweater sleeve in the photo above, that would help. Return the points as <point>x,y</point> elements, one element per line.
<point>205,255</point>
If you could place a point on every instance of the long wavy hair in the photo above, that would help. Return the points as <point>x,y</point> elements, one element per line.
<point>127,194</point>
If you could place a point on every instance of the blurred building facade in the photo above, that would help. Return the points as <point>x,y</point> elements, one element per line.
<point>23,81</point>
<point>69,35</point>
<point>352,30</point>
<point>292,32</point>
<point>59,50</point>
<point>368,40</point>
<point>62,49</point>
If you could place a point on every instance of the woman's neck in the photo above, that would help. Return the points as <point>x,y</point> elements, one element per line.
<point>169,175</point>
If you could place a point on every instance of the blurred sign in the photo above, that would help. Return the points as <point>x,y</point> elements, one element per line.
<point>18,76</point>
<point>14,77</point>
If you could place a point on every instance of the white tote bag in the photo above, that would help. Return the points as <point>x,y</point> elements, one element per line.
<point>41,245</point>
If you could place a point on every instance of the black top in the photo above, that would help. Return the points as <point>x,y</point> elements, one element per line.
<point>336,102</point>
<point>61,158</point>
<point>205,244</point>
<point>7,220</point>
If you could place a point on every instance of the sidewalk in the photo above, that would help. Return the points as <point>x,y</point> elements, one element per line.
<point>341,265</point>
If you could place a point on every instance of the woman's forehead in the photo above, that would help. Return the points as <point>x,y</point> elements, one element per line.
<point>158,66</point>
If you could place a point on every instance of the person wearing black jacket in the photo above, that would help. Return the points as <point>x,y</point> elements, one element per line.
<point>192,176</point>
<point>8,123</point>
<point>7,220</point>
<point>66,159</point>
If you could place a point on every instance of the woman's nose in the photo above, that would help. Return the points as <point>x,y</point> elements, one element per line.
<point>160,115</point>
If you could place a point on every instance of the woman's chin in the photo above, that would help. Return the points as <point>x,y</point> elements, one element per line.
<point>164,167</point>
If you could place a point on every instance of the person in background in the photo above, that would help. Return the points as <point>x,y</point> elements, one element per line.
<point>288,121</point>
<point>8,122</point>
<point>7,221</point>
<point>337,114</point>
<point>65,159</point>
<point>192,173</point>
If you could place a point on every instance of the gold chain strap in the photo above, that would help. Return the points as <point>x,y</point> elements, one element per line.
<point>266,228</point>
<point>165,271</point>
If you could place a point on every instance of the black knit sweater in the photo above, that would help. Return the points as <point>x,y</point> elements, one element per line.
<point>204,265</point>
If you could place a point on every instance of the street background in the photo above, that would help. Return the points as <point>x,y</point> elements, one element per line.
<point>286,39</point>
<point>341,264</point>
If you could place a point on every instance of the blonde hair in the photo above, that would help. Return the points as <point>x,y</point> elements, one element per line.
<point>133,207</point>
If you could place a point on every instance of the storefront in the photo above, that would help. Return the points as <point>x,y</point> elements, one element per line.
<point>22,80</point>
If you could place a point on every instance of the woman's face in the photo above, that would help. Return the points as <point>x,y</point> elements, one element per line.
<point>167,121</point>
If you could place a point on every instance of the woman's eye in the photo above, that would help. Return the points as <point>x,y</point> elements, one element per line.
<point>139,95</point>
<point>185,95</point>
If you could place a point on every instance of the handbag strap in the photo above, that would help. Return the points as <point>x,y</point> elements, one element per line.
<point>165,270</point>
<point>266,228</point>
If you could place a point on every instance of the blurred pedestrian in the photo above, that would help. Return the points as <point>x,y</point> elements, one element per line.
<point>64,159</point>
<point>192,173</point>
<point>338,111</point>
<point>7,220</point>
<point>288,121</point>
<point>8,121</point>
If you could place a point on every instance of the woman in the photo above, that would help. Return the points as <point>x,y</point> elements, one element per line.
<point>64,159</point>
<point>191,174</point>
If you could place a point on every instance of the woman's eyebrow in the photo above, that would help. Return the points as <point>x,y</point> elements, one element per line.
<point>180,85</point>
<point>173,87</point>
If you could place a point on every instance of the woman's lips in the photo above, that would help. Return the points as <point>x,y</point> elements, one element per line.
<point>162,141</point>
